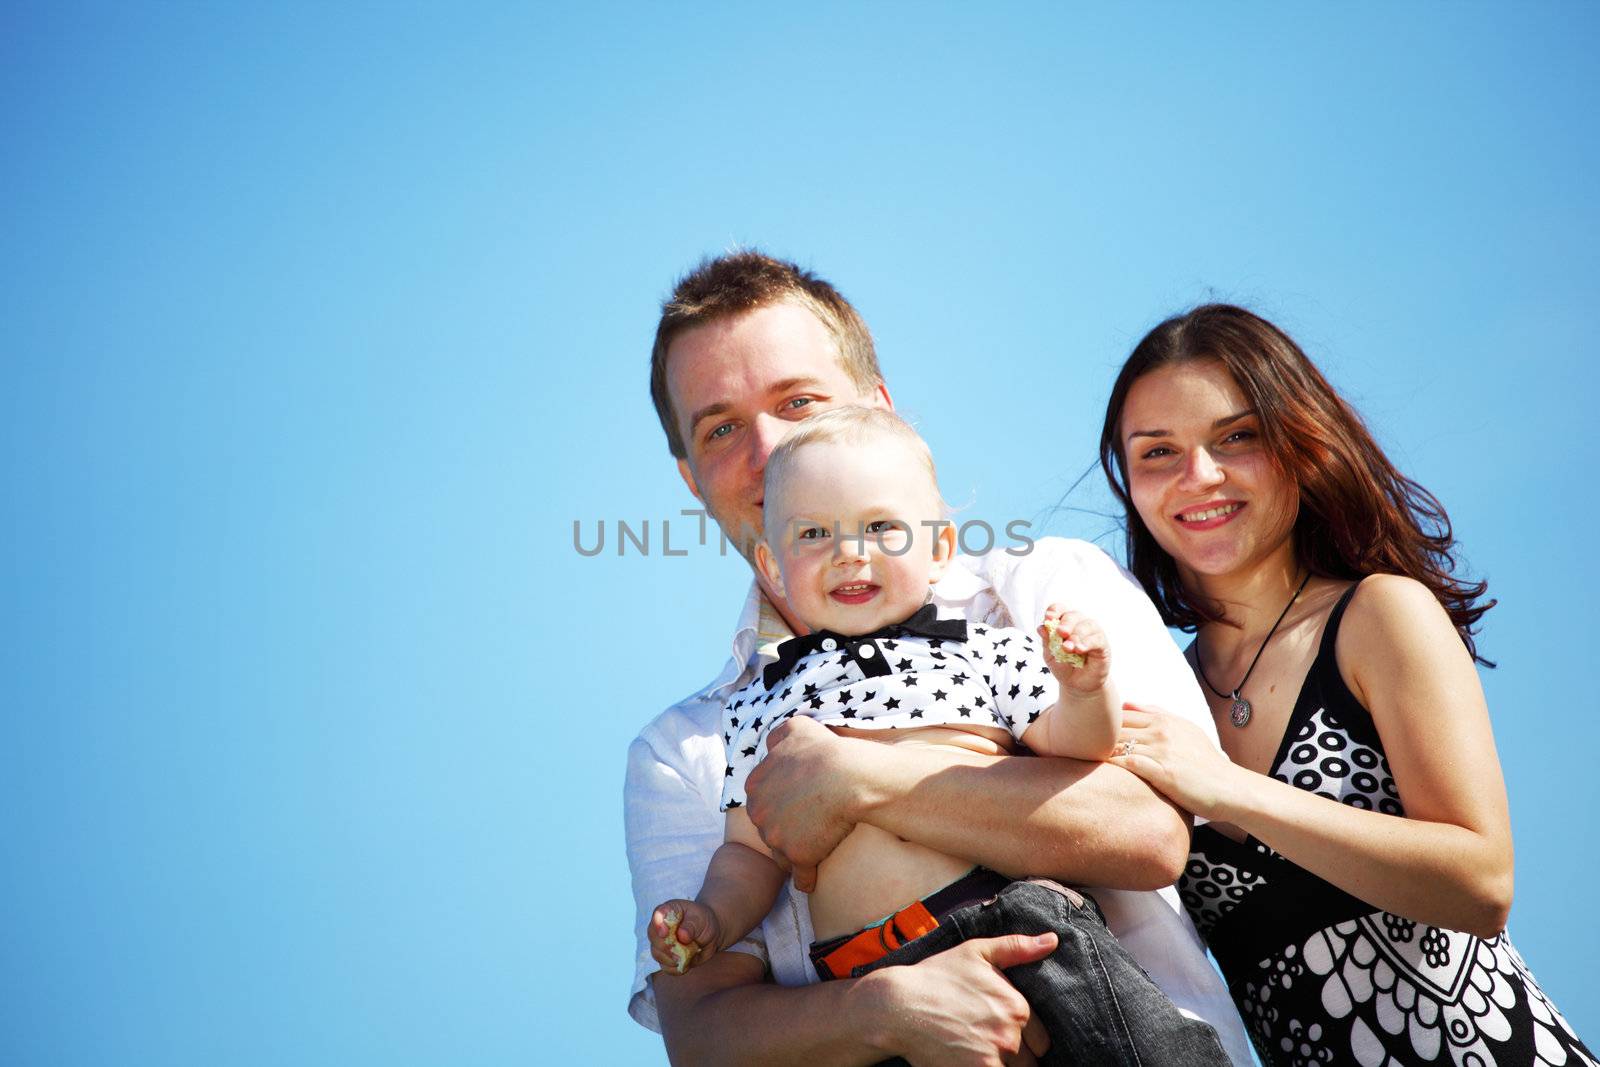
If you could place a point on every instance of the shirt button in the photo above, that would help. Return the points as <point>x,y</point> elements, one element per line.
<point>829,644</point>
<point>866,651</point>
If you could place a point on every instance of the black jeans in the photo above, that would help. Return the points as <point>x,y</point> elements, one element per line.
<point>1096,1002</point>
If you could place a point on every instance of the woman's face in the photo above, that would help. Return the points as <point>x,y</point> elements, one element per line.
<point>1200,475</point>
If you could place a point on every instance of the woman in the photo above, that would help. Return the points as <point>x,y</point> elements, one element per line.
<point>1355,875</point>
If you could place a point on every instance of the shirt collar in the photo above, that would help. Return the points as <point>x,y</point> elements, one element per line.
<point>760,630</point>
<point>771,630</point>
<point>924,622</point>
<point>959,585</point>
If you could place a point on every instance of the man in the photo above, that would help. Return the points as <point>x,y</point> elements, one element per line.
<point>746,347</point>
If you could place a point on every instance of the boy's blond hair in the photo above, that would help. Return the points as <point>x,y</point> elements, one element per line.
<point>851,424</point>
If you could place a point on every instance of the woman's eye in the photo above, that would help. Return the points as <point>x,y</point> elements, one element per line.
<point>1238,436</point>
<point>1158,452</point>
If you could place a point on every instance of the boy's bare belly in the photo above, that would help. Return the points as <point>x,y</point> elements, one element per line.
<point>873,873</point>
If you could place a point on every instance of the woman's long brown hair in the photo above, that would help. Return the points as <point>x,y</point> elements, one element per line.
<point>1358,514</point>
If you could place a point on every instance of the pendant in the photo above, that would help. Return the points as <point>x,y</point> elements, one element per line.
<point>1239,714</point>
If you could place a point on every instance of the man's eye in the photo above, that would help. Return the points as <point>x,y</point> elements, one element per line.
<point>721,431</point>
<point>799,402</point>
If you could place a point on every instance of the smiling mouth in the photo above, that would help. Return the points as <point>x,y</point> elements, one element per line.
<point>1206,515</point>
<point>854,592</point>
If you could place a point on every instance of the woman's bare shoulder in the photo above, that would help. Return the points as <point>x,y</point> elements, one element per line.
<point>1394,628</point>
<point>1389,604</point>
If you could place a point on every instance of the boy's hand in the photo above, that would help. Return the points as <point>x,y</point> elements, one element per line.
<point>1080,638</point>
<point>682,934</point>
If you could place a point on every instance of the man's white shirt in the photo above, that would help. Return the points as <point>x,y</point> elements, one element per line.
<point>676,768</point>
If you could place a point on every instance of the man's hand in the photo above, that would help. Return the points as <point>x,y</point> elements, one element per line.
<point>961,1010</point>
<point>955,1009</point>
<point>800,797</point>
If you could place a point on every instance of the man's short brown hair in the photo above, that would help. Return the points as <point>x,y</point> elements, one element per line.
<point>743,281</point>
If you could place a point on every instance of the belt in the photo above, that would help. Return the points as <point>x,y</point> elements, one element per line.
<point>839,956</point>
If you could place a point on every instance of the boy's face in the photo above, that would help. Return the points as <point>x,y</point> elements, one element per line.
<point>846,547</point>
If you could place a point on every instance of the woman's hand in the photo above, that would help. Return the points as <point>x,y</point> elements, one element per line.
<point>1176,758</point>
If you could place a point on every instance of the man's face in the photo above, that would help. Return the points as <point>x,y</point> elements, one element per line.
<point>739,384</point>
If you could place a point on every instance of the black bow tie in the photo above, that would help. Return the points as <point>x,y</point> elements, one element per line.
<point>925,623</point>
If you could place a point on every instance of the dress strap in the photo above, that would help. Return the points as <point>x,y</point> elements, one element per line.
<point>1325,686</point>
<point>1331,630</point>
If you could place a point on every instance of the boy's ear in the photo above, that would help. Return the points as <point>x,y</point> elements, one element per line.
<point>769,567</point>
<point>944,550</point>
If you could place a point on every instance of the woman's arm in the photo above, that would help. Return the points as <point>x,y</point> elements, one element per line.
<point>1449,860</point>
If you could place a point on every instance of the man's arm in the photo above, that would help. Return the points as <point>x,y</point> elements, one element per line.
<point>723,1012</point>
<point>956,1008</point>
<point>1080,822</point>
<point>1089,823</point>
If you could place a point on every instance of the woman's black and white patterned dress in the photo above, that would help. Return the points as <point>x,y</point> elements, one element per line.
<point>1322,978</point>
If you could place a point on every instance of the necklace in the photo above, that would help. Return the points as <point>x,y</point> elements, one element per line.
<point>1239,714</point>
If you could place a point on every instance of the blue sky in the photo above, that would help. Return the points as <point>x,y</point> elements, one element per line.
<point>320,326</point>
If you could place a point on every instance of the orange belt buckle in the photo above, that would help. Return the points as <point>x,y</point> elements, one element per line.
<point>912,921</point>
<point>876,942</point>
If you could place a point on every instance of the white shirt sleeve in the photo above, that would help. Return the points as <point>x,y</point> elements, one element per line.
<point>1148,669</point>
<point>673,826</point>
<point>1146,664</point>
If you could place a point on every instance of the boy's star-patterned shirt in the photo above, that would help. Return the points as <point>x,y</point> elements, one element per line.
<point>925,671</point>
